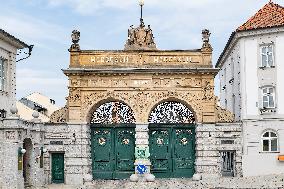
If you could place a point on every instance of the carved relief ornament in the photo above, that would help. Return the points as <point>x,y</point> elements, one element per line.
<point>141,102</point>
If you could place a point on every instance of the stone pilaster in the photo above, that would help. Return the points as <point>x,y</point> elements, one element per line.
<point>142,154</point>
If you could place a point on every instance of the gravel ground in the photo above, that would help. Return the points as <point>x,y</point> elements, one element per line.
<point>271,182</point>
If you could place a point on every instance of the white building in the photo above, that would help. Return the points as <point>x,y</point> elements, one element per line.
<point>21,141</point>
<point>252,87</point>
<point>8,51</point>
<point>36,102</point>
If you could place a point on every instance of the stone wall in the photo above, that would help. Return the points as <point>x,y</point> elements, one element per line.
<point>76,146</point>
<point>209,144</point>
<point>13,131</point>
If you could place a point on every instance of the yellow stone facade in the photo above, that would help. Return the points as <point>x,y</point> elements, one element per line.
<point>142,80</point>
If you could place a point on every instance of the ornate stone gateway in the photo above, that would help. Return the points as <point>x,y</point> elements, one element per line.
<point>172,140</point>
<point>113,141</point>
<point>114,89</point>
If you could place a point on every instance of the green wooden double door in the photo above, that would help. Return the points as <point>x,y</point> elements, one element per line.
<point>113,148</point>
<point>172,150</point>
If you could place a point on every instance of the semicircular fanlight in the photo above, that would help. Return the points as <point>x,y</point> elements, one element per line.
<point>112,113</point>
<point>171,112</point>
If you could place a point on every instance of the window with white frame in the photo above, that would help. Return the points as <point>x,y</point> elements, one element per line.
<point>267,59</point>
<point>269,142</point>
<point>2,74</point>
<point>268,97</point>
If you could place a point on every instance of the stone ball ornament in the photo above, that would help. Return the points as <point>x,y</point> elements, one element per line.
<point>150,177</point>
<point>14,110</point>
<point>35,114</point>
<point>134,178</point>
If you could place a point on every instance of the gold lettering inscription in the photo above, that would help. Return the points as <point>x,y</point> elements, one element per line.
<point>109,59</point>
<point>126,59</point>
<point>165,59</point>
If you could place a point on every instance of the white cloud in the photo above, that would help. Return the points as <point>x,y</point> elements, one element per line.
<point>88,7</point>
<point>30,29</point>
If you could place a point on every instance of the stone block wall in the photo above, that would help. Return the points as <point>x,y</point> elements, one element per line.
<point>210,143</point>
<point>74,141</point>
<point>13,132</point>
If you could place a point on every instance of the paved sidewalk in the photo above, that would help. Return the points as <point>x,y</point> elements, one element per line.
<point>271,182</point>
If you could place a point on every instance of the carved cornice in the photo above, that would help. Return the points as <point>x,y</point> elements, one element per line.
<point>70,71</point>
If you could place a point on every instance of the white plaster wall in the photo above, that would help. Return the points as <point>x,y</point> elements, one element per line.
<point>256,162</point>
<point>279,58</point>
<point>7,97</point>
<point>230,78</point>
<point>246,55</point>
<point>250,67</point>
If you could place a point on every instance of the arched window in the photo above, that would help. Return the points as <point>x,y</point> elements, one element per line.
<point>269,142</point>
<point>171,112</point>
<point>113,113</point>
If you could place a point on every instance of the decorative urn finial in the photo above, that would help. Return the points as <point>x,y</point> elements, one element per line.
<point>205,38</point>
<point>75,36</point>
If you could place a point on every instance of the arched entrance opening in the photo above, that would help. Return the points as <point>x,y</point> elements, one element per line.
<point>112,140</point>
<point>27,161</point>
<point>172,140</point>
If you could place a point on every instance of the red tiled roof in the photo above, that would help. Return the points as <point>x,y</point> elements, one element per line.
<point>270,15</point>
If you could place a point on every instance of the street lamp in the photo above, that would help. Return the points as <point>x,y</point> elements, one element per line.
<point>22,151</point>
<point>141,3</point>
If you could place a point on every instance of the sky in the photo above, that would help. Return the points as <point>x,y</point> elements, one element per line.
<point>47,24</point>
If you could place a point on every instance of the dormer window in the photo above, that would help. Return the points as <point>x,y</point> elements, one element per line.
<point>267,58</point>
<point>268,97</point>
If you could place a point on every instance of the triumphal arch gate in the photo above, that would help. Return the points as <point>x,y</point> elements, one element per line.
<point>143,106</point>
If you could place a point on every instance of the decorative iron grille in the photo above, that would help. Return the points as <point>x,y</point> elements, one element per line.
<point>171,112</point>
<point>113,113</point>
<point>228,163</point>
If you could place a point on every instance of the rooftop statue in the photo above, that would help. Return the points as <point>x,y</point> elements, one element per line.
<point>140,38</point>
